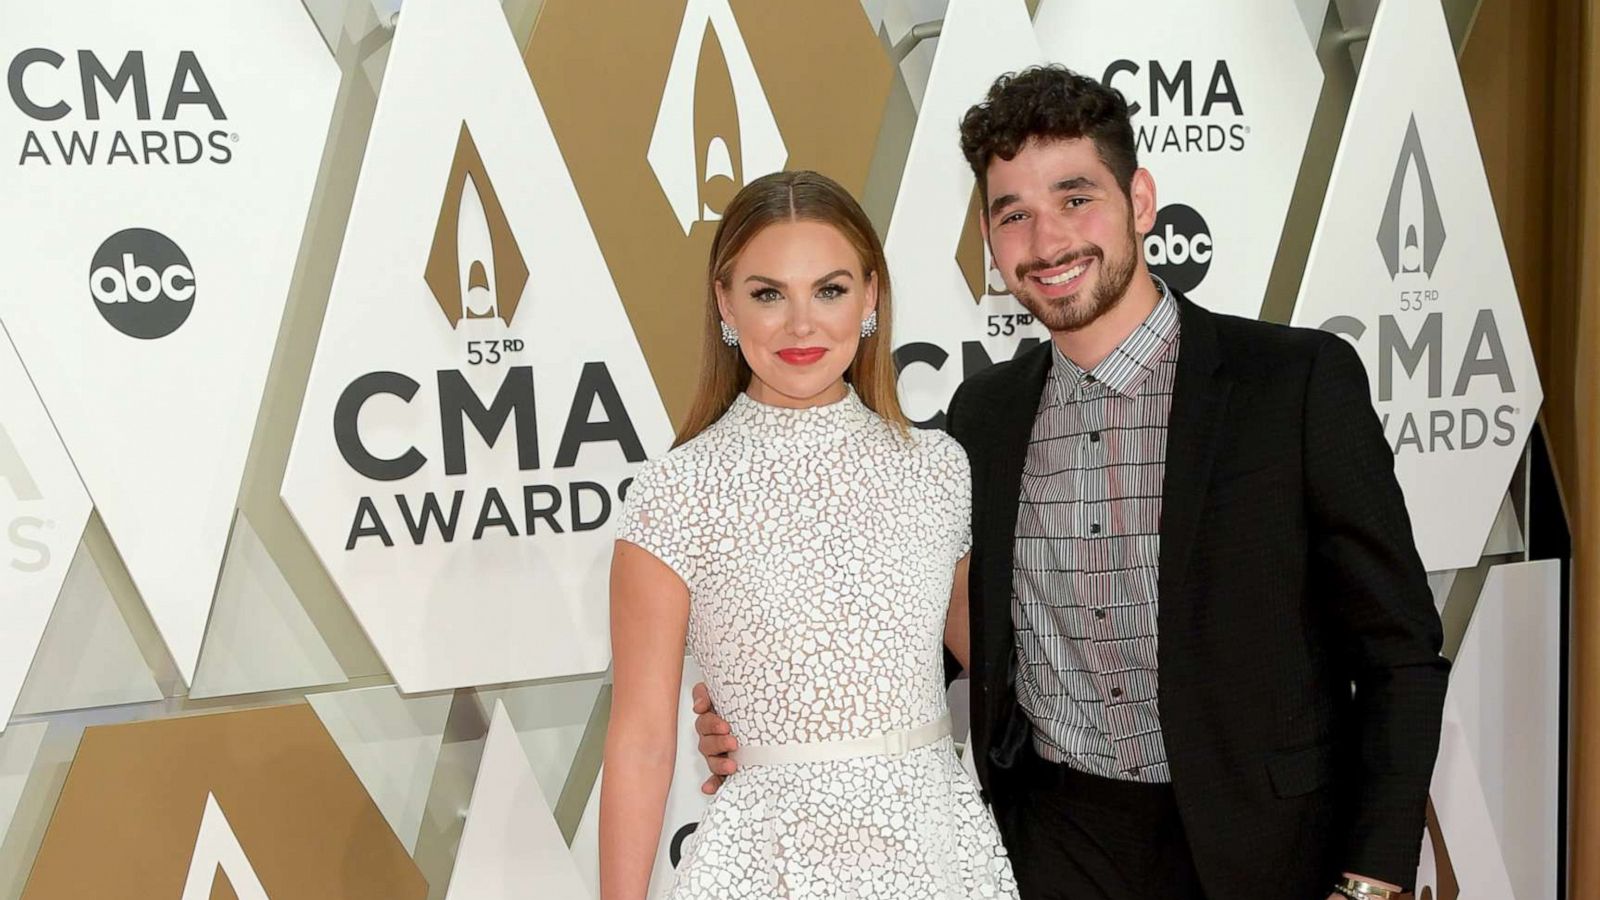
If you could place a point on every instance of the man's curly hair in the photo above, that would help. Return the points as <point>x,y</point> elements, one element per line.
<point>1049,103</point>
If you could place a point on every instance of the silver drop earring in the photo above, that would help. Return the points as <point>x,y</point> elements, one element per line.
<point>729,336</point>
<point>869,325</point>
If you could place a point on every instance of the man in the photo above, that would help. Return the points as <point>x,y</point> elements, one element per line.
<point>1205,659</point>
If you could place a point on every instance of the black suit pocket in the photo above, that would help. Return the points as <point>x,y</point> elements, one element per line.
<point>1234,472</point>
<point>1295,773</point>
<point>1252,487</point>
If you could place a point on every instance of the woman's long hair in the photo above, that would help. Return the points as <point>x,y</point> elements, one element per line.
<point>769,200</point>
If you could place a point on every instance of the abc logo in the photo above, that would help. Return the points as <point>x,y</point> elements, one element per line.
<point>1178,248</point>
<point>142,283</point>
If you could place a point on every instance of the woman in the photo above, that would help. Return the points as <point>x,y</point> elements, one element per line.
<point>804,541</point>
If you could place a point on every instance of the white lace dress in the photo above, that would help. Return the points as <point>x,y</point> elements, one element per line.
<point>819,548</point>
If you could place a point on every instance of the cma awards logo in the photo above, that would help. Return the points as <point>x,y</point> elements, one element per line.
<point>1189,107</point>
<point>1411,234</point>
<point>142,283</point>
<point>714,130</point>
<point>24,533</point>
<point>1411,338</point>
<point>71,96</point>
<point>473,229</point>
<point>476,274</point>
<point>217,851</point>
<point>250,813</point>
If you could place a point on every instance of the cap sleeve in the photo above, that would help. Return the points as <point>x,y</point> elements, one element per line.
<point>952,473</point>
<point>652,518</point>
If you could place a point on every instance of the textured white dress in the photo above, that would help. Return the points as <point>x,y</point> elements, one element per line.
<point>819,548</point>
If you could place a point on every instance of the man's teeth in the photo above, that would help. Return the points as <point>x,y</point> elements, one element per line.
<point>1066,276</point>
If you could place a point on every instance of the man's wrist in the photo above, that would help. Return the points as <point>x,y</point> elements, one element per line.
<point>1357,887</point>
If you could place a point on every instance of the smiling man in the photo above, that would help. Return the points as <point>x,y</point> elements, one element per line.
<point>1205,656</point>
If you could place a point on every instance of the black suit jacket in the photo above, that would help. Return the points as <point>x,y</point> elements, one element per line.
<point>1288,576</point>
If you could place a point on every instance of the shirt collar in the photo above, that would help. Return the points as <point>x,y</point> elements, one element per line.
<point>1128,367</point>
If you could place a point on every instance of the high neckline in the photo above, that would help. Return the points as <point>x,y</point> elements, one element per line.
<point>763,420</point>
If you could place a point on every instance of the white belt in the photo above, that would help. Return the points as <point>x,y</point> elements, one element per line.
<point>894,745</point>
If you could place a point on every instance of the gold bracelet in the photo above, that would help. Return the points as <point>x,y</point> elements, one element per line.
<point>1361,890</point>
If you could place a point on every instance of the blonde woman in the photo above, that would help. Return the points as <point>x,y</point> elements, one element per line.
<point>811,550</point>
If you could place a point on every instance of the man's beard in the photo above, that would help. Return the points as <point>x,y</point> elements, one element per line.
<point>1076,311</point>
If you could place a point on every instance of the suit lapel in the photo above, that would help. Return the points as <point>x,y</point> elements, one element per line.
<point>1199,401</point>
<point>1014,413</point>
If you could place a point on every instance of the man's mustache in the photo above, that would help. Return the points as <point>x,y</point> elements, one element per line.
<point>1039,265</point>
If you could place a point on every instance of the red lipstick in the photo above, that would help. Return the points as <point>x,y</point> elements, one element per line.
<point>801,356</point>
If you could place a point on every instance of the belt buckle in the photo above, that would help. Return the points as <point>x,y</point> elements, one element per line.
<point>898,744</point>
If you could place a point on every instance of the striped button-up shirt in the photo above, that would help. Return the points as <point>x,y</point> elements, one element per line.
<point>1087,552</point>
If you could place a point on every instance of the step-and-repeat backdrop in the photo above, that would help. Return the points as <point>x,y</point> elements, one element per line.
<point>433,292</point>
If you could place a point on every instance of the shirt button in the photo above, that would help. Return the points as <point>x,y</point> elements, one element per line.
<point>1135,771</point>
<point>1094,528</point>
<point>1116,692</point>
<point>1099,614</point>
<point>1094,437</point>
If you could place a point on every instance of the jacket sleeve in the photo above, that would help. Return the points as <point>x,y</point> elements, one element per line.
<point>1366,572</point>
<point>952,667</point>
